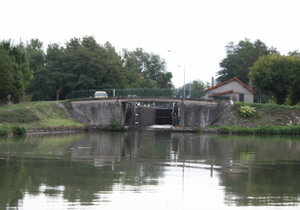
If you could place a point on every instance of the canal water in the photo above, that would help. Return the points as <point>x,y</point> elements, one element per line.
<point>149,170</point>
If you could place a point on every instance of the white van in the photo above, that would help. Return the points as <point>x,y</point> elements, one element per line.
<point>100,94</point>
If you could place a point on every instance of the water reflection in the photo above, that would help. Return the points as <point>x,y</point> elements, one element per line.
<point>87,169</point>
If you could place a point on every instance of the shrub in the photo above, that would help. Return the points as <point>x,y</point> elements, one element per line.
<point>115,125</point>
<point>3,132</point>
<point>247,111</point>
<point>18,130</point>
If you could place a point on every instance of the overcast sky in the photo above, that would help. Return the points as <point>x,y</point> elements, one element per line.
<point>196,31</point>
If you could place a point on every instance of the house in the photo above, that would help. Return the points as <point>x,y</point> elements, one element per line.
<point>233,89</point>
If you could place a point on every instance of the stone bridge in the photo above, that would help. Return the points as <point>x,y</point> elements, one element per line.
<point>141,111</point>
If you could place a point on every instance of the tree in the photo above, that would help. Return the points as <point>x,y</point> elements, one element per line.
<point>35,54</point>
<point>18,68</point>
<point>150,66</point>
<point>6,70</point>
<point>48,79</point>
<point>198,88</point>
<point>294,53</point>
<point>278,75</point>
<point>293,80</point>
<point>83,64</point>
<point>240,58</point>
<point>194,89</point>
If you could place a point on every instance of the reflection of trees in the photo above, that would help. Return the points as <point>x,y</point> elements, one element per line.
<point>253,171</point>
<point>12,183</point>
<point>263,171</point>
<point>206,148</point>
<point>263,184</point>
<point>118,160</point>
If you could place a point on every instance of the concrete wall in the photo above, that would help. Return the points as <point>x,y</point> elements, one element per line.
<point>198,115</point>
<point>237,89</point>
<point>100,114</point>
<point>95,113</point>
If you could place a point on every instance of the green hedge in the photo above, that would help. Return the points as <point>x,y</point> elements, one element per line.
<point>282,130</point>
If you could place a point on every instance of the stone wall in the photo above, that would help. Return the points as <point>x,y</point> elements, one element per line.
<point>200,115</point>
<point>95,113</point>
<point>100,114</point>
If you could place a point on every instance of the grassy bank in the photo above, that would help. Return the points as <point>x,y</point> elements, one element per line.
<point>267,119</point>
<point>281,130</point>
<point>30,115</point>
<point>264,115</point>
<point>260,119</point>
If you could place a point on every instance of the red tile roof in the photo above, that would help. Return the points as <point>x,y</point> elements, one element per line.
<point>231,80</point>
<point>221,93</point>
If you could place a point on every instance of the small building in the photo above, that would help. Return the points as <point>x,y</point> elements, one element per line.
<point>233,89</point>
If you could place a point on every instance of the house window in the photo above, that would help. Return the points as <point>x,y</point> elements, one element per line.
<point>241,97</point>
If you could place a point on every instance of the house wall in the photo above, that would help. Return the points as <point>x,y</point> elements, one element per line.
<point>237,89</point>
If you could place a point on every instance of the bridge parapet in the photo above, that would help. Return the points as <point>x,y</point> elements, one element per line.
<point>144,99</point>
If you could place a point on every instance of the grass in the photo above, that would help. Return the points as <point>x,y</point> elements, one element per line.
<point>28,115</point>
<point>281,130</point>
<point>267,106</point>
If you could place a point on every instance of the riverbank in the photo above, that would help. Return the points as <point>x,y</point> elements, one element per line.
<point>265,119</point>
<point>55,117</point>
<point>34,117</point>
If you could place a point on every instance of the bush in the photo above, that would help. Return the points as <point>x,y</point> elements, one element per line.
<point>18,131</point>
<point>3,132</point>
<point>247,111</point>
<point>115,125</point>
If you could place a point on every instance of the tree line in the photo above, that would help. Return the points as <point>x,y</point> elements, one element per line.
<point>264,68</point>
<point>82,63</point>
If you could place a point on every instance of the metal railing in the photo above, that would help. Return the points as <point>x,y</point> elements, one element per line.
<point>139,92</point>
<point>154,92</point>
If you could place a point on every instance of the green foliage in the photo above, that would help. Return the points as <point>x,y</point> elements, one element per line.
<point>115,125</point>
<point>246,111</point>
<point>84,64</point>
<point>6,75</point>
<point>240,58</point>
<point>278,75</point>
<point>35,54</point>
<point>4,131</point>
<point>14,69</point>
<point>145,70</point>
<point>281,130</point>
<point>18,130</point>
<point>266,106</point>
<point>195,88</point>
